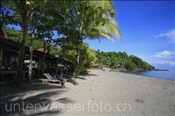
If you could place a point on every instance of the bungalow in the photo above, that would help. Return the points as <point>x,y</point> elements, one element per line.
<point>9,58</point>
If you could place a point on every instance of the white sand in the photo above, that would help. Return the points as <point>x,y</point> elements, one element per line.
<point>123,94</point>
<point>110,93</point>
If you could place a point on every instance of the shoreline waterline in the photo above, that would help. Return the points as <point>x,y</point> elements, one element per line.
<point>166,75</point>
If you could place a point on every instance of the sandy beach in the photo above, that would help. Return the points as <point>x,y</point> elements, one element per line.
<point>97,93</point>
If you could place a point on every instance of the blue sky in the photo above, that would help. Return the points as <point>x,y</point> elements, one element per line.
<point>148,31</point>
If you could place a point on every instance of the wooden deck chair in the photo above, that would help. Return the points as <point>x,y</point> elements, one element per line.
<point>52,79</point>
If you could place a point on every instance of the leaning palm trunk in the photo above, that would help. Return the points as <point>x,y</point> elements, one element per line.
<point>18,75</point>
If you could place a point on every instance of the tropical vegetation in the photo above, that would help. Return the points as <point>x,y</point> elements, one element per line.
<point>121,61</point>
<point>73,21</point>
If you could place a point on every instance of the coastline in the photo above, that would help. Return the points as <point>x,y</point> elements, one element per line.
<point>166,75</point>
<point>104,93</point>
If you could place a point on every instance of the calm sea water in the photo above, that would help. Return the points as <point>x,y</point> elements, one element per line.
<point>170,75</point>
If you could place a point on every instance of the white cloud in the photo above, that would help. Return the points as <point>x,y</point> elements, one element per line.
<point>172,63</point>
<point>169,35</point>
<point>165,54</point>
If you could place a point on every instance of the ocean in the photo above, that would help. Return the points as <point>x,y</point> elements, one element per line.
<point>170,75</point>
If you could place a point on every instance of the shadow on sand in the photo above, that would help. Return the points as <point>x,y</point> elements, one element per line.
<point>33,99</point>
<point>87,74</point>
<point>82,76</point>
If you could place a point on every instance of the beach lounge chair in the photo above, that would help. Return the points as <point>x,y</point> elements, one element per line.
<point>53,79</point>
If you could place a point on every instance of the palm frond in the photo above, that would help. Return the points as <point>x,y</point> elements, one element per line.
<point>107,35</point>
<point>113,30</point>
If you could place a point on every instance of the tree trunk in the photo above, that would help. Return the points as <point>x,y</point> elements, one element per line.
<point>18,75</point>
<point>77,61</point>
<point>31,55</point>
<point>44,55</point>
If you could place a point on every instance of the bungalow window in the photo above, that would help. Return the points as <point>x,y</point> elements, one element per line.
<point>13,61</point>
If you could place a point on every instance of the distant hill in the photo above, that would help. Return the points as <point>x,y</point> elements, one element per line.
<point>122,61</point>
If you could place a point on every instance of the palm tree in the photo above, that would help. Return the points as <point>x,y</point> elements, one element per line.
<point>89,19</point>
<point>22,10</point>
<point>98,22</point>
